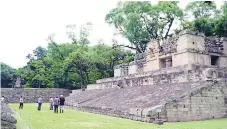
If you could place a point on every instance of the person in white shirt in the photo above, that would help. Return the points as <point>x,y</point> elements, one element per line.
<point>3,99</point>
<point>39,101</point>
<point>21,103</point>
<point>51,103</point>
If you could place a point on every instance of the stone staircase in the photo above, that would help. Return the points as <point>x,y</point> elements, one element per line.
<point>79,97</point>
<point>132,102</point>
<point>142,96</point>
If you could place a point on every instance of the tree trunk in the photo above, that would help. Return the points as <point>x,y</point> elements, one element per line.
<point>170,25</point>
<point>65,78</point>
<point>82,79</point>
<point>86,75</point>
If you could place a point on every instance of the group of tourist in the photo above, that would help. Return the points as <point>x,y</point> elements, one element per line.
<point>57,102</point>
<point>54,103</point>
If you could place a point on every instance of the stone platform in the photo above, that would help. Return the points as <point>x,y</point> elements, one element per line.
<point>186,101</point>
<point>180,74</point>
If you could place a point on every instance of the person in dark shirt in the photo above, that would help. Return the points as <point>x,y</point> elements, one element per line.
<point>39,101</point>
<point>56,103</point>
<point>62,103</point>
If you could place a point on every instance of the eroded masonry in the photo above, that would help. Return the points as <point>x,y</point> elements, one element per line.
<point>183,78</point>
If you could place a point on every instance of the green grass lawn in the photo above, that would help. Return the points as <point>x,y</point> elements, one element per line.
<point>73,119</point>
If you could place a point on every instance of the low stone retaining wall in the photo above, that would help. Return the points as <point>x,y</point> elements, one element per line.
<point>31,95</point>
<point>8,120</point>
<point>187,73</point>
<point>118,113</point>
<point>107,111</point>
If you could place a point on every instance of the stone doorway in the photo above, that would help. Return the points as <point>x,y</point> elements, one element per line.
<point>165,62</point>
<point>214,60</point>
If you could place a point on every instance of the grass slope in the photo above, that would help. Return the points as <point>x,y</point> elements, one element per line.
<point>72,119</point>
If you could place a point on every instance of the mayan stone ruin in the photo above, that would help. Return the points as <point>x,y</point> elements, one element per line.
<point>183,78</point>
<point>8,118</point>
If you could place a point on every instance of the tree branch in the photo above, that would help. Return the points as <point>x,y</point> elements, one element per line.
<point>163,18</point>
<point>149,29</point>
<point>138,49</point>
<point>120,28</point>
<point>62,57</point>
<point>170,25</point>
<point>150,32</point>
<point>125,46</point>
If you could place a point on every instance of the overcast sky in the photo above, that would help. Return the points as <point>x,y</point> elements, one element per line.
<point>26,24</point>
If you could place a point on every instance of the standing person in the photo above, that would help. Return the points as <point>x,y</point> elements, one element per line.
<point>39,101</point>
<point>21,102</point>
<point>3,99</point>
<point>56,103</point>
<point>62,102</point>
<point>51,103</point>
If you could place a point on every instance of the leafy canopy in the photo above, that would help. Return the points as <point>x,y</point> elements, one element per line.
<point>140,22</point>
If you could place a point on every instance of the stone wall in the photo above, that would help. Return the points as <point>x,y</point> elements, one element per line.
<point>132,69</point>
<point>31,95</point>
<point>186,73</point>
<point>206,103</point>
<point>121,70</point>
<point>8,120</point>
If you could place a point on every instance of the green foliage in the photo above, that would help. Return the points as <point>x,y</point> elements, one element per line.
<point>205,25</point>
<point>71,65</point>
<point>221,23</point>
<point>224,8</point>
<point>201,8</point>
<point>141,21</point>
<point>8,76</point>
<point>208,19</point>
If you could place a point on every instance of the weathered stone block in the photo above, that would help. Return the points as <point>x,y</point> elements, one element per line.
<point>158,121</point>
<point>8,120</point>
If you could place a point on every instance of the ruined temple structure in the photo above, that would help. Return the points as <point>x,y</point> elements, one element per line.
<point>186,48</point>
<point>183,78</point>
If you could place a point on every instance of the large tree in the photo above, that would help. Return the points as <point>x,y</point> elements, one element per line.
<point>141,21</point>
<point>201,9</point>
<point>221,23</point>
<point>208,19</point>
<point>8,76</point>
<point>71,65</point>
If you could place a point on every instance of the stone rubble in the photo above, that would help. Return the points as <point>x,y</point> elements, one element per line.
<point>8,120</point>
